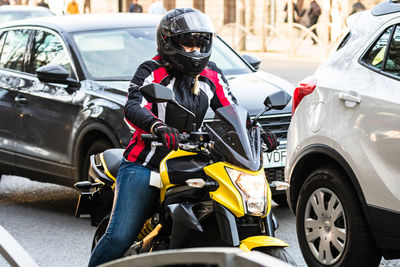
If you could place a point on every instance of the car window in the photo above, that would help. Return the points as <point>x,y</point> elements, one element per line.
<point>393,56</point>
<point>15,15</point>
<point>376,54</point>
<point>227,60</point>
<point>47,49</point>
<point>116,54</point>
<point>14,49</point>
<point>344,41</point>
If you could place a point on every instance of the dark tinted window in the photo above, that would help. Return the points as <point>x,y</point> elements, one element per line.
<point>14,50</point>
<point>2,40</point>
<point>393,56</point>
<point>344,41</point>
<point>48,50</point>
<point>376,54</point>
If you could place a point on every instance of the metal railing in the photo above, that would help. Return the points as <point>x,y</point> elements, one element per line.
<point>222,257</point>
<point>290,37</point>
<point>14,254</point>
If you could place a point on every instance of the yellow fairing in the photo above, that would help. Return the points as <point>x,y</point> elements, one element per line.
<point>164,173</point>
<point>227,194</point>
<point>250,243</point>
<point>106,171</point>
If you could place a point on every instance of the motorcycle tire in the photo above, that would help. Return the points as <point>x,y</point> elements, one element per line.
<point>279,253</point>
<point>331,208</point>
<point>100,231</point>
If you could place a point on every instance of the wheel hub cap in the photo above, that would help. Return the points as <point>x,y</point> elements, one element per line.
<point>325,226</point>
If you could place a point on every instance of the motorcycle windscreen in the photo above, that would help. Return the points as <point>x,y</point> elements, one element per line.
<point>235,140</point>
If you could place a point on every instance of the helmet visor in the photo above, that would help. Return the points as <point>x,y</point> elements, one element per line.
<point>192,22</point>
<point>193,39</point>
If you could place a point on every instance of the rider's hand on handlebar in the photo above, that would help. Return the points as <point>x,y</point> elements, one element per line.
<point>270,140</point>
<point>168,135</point>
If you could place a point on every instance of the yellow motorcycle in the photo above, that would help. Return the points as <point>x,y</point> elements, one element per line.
<point>213,189</point>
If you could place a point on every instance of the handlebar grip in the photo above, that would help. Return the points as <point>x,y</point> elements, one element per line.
<point>183,138</point>
<point>150,137</point>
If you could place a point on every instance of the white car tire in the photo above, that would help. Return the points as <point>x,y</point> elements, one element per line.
<point>331,227</point>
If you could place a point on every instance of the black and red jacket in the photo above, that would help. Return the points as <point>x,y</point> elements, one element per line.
<point>214,92</point>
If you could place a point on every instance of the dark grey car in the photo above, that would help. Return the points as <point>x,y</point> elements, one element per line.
<point>51,124</point>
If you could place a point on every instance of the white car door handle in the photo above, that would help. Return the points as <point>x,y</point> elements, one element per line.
<point>351,97</point>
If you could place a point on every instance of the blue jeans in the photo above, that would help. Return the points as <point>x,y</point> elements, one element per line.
<point>134,203</point>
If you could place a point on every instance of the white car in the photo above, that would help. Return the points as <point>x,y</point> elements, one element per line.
<point>343,147</point>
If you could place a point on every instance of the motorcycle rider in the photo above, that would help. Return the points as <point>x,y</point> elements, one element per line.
<point>184,42</point>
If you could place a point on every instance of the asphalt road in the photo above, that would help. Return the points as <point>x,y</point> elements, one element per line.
<point>41,218</point>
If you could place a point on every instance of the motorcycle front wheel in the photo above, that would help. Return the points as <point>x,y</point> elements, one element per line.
<point>279,253</point>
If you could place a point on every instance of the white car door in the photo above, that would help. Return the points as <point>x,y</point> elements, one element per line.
<point>369,110</point>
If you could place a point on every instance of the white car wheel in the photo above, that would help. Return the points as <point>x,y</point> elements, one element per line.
<point>325,226</point>
<point>331,226</point>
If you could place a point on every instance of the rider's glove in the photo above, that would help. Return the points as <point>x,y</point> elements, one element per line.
<point>270,140</point>
<point>169,135</point>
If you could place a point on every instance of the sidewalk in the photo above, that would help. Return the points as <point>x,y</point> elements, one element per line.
<point>279,50</point>
<point>294,69</point>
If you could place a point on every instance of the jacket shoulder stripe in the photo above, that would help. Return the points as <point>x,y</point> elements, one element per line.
<point>215,78</point>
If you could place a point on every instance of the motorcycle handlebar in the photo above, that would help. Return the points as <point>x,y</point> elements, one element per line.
<point>149,137</point>
<point>183,138</point>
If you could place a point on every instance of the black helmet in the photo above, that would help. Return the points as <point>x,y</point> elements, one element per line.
<point>189,27</point>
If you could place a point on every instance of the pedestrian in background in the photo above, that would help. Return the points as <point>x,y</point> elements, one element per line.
<point>43,4</point>
<point>313,14</point>
<point>86,7</point>
<point>4,2</point>
<point>296,13</point>
<point>157,8</point>
<point>357,7</point>
<point>135,7</point>
<point>72,8</point>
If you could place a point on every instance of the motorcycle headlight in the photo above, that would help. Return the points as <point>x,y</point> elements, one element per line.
<point>253,189</point>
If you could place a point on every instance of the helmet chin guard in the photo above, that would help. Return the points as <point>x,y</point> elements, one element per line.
<point>189,27</point>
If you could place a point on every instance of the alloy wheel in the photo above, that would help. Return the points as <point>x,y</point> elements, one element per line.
<point>325,226</point>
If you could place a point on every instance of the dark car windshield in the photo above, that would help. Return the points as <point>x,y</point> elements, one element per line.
<point>116,54</point>
<point>16,15</point>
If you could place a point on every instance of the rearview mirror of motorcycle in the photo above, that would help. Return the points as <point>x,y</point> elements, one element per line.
<point>277,100</point>
<point>156,93</point>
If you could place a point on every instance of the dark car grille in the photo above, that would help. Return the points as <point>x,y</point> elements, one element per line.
<point>275,174</point>
<point>278,124</point>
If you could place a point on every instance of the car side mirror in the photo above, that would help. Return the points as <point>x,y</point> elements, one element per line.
<point>56,74</point>
<point>278,100</point>
<point>254,61</point>
<point>156,93</point>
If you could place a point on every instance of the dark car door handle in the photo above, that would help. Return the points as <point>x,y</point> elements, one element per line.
<point>21,99</point>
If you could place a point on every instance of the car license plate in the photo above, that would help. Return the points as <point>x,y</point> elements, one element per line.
<point>276,158</point>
